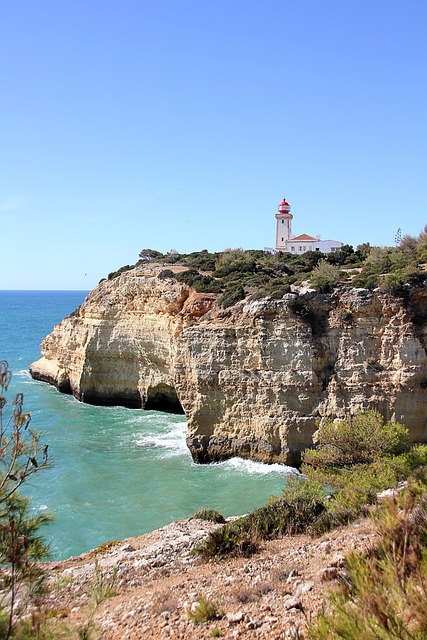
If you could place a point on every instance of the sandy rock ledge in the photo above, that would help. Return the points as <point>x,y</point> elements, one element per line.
<point>270,595</point>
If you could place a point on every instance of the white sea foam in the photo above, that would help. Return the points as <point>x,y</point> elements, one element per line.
<point>171,439</point>
<point>42,507</point>
<point>25,376</point>
<point>251,467</point>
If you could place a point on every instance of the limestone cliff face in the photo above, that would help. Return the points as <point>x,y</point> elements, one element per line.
<point>253,380</point>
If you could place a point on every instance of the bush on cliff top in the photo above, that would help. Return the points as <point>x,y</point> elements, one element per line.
<point>357,439</point>
<point>384,593</point>
<point>237,273</point>
<point>301,504</point>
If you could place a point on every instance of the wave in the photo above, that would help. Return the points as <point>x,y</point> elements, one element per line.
<point>171,438</point>
<point>24,375</point>
<point>250,467</point>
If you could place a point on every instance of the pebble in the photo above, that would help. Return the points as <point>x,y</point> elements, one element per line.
<point>253,624</point>
<point>291,603</point>
<point>325,546</point>
<point>338,561</point>
<point>329,573</point>
<point>234,617</point>
<point>304,587</point>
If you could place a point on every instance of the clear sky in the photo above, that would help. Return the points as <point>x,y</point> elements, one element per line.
<point>127,124</point>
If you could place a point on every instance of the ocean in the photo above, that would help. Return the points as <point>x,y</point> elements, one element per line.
<point>115,472</point>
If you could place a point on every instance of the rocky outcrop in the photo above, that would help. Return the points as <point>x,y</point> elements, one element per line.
<point>156,580</point>
<point>253,380</point>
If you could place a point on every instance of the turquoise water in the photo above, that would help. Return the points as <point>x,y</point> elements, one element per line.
<point>116,472</point>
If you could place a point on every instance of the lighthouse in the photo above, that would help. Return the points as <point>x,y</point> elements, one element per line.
<point>289,243</point>
<point>283,225</point>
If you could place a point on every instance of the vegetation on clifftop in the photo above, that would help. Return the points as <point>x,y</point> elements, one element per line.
<point>235,274</point>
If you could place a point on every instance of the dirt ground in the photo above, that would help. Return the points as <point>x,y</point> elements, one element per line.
<point>143,588</point>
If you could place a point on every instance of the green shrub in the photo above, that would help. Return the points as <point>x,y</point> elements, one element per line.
<point>384,595</point>
<point>355,440</point>
<point>204,611</point>
<point>201,283</point>
<point>114,274</point>
<point>325,276</point>
<point>347,316</point>
<point>203,260</point>
<point>301,504</point>
<point>232,294</point>
<point>164,274</point>
<point>209,514</point>
<point>234,539</point>
<point>235,261</point>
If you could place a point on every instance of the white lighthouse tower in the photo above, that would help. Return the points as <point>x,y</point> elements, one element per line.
<point>283,225</point>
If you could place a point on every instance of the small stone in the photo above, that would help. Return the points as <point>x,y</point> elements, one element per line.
<point>338,561</point>
<point>304,587</point>
<point>233,617</point>
<point>292,575</point>
<point>253,624</point>
<point>329,573</point>
<point>291,603</point>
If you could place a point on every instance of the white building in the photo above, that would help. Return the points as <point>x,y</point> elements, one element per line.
<point>285,241</point>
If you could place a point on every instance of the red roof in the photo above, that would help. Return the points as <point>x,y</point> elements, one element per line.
<point>304,236</point>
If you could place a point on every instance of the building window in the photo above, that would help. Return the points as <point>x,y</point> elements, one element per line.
<point>282,239</point>
<point>299,248</point>
<point>317,249</point>
<point>283,221</point>
<point>292,248</point>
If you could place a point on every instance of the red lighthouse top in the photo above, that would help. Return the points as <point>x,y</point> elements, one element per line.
<point>284,207</point>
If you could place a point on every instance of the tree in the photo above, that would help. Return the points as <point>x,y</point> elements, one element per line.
<point>325,276</point>
<point>149,254</point>
<point>21,456</point>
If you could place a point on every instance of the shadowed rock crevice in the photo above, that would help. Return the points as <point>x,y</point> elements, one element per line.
<point>129,399</point>
<point>163,397</point>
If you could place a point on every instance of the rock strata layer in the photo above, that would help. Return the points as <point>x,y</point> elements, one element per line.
<point>253,380</point>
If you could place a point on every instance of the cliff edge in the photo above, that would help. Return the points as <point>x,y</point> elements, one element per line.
<point>253,380</point>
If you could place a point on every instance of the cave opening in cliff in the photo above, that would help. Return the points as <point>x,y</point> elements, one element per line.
<point>163,397</point>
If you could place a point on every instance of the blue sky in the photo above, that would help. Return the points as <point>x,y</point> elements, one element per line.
<point>128,124</point>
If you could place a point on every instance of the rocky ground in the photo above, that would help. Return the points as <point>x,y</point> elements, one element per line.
<point>143,587</point>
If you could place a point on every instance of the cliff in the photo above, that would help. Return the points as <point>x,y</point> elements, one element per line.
<point>253,380</point>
